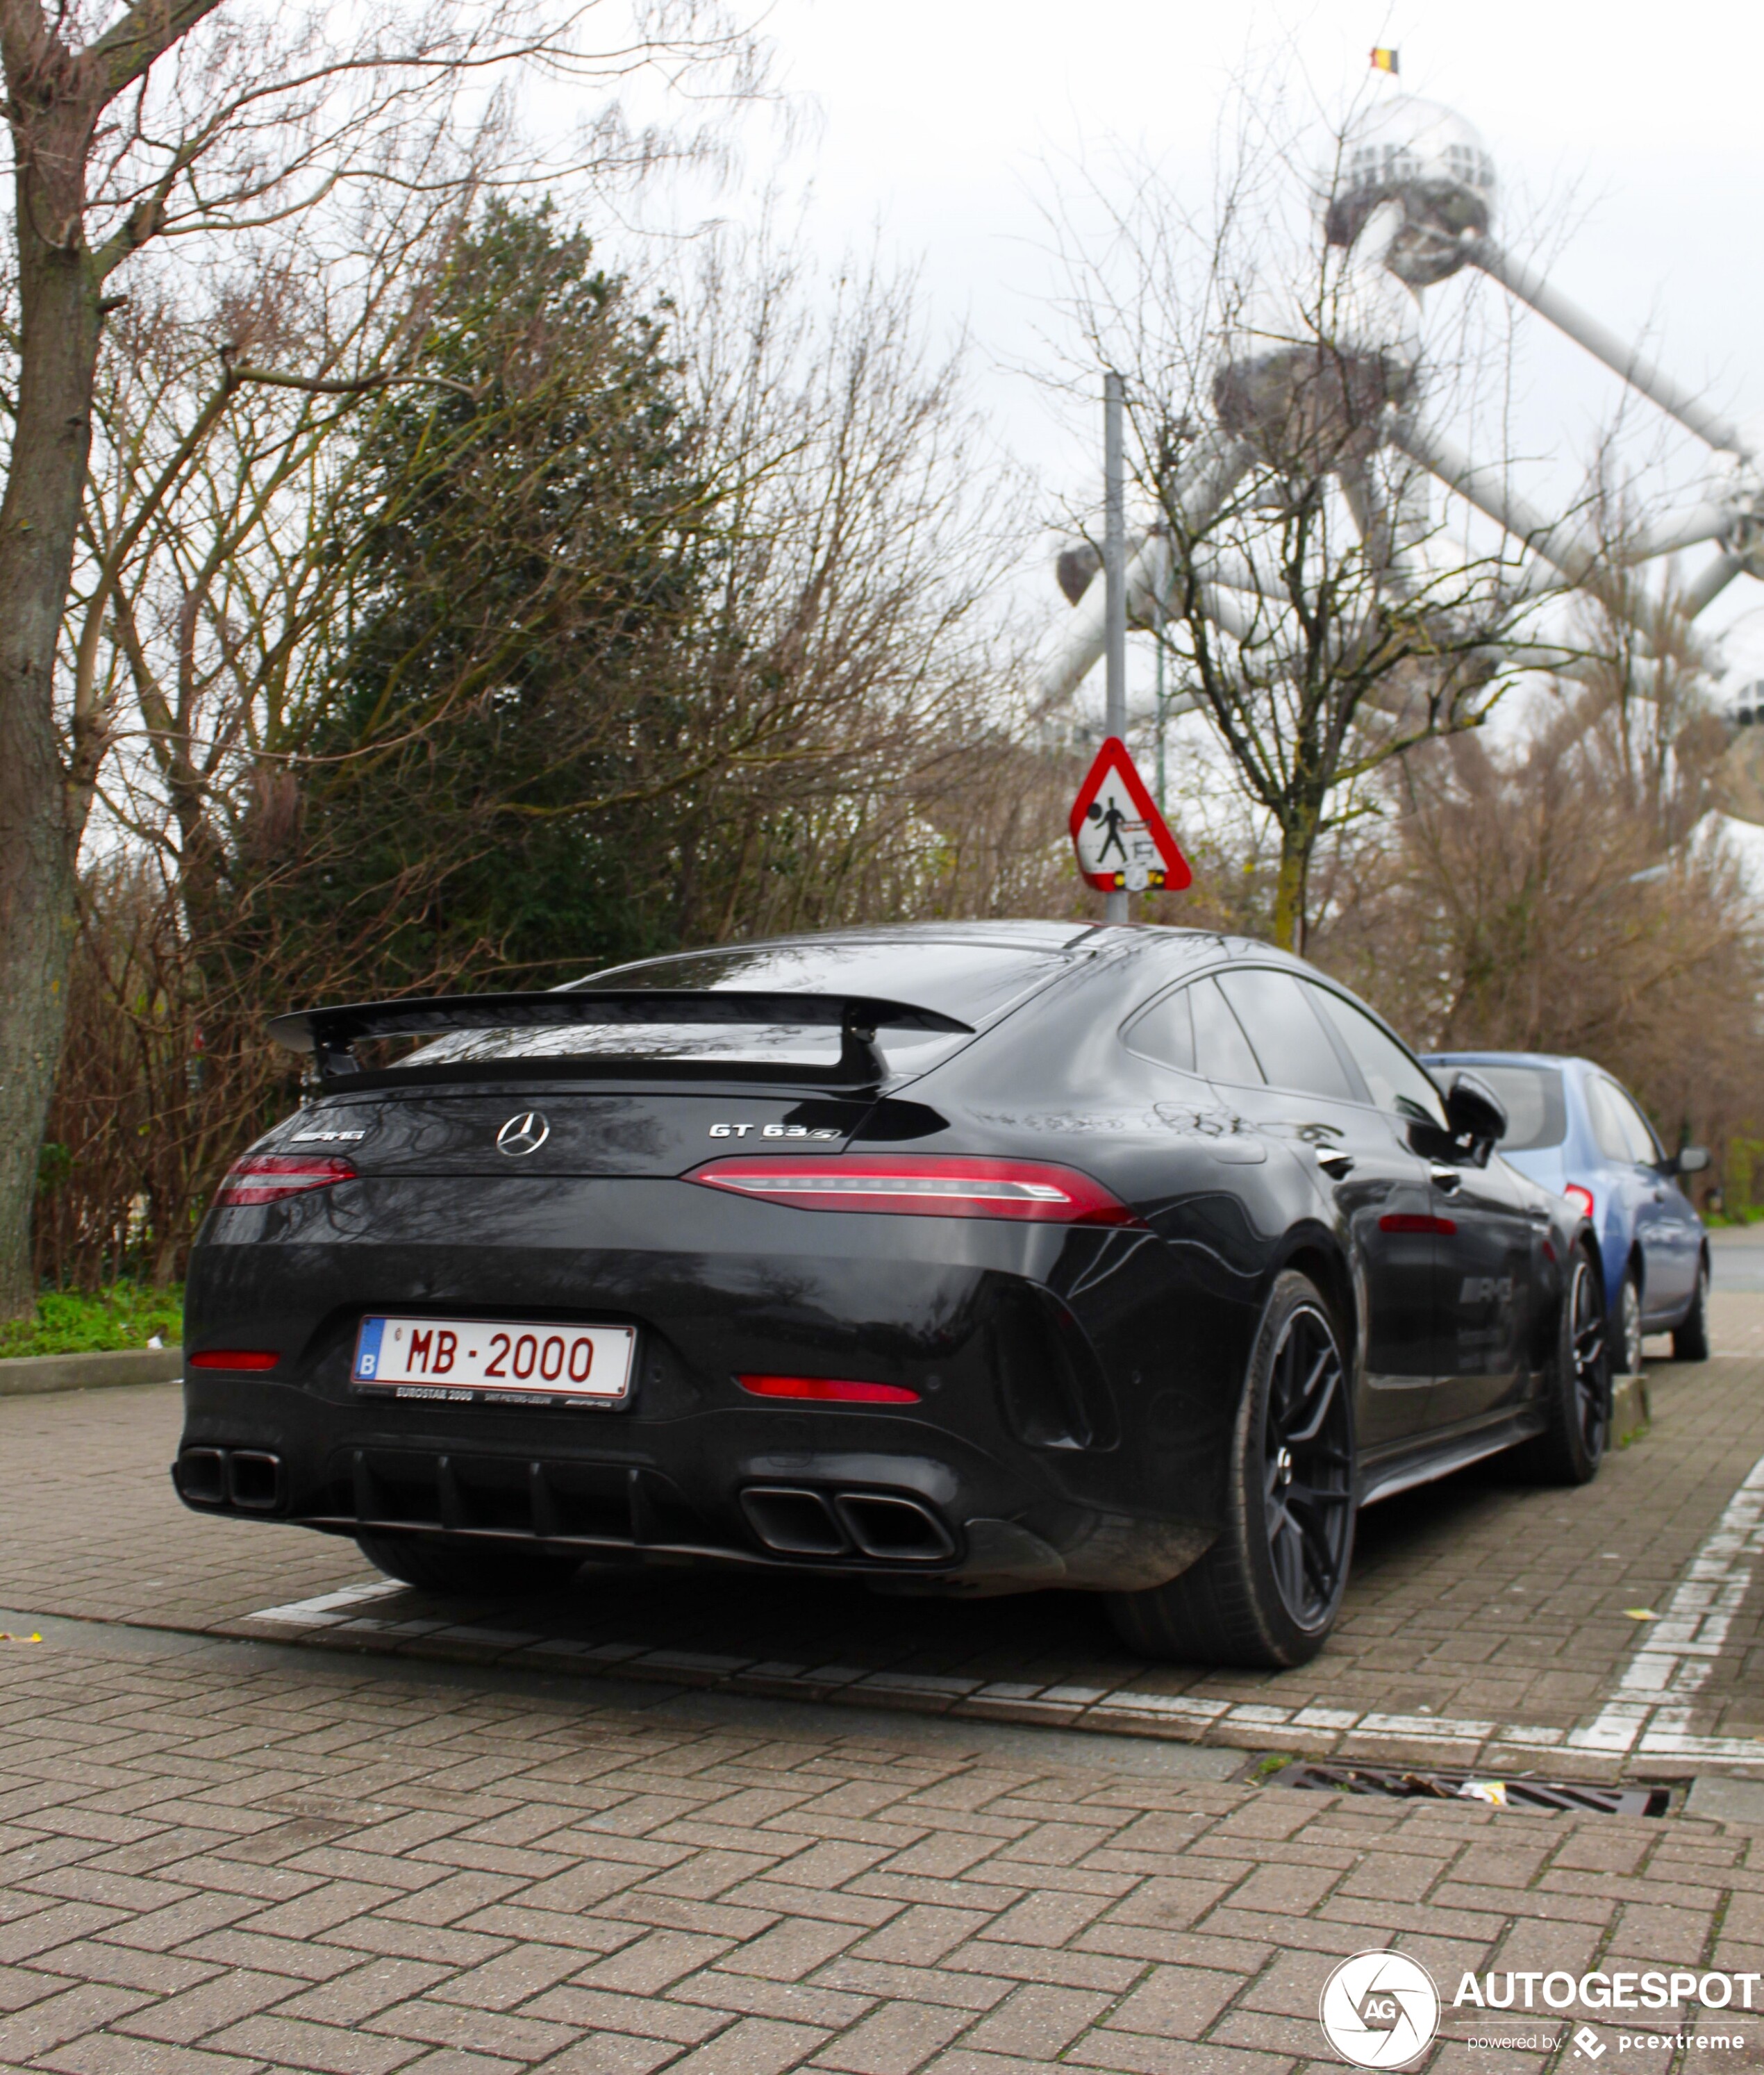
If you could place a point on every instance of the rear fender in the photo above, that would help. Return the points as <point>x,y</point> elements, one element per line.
<point>1315,1253</point>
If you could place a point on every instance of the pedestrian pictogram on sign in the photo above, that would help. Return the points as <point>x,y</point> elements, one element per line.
<point>1122,843</point>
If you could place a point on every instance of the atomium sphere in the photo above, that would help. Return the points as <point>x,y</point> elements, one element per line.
<point>1308,375</point>
<point>1430,160</point>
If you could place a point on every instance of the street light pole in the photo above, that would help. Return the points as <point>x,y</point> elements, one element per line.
<point>1115,589</point>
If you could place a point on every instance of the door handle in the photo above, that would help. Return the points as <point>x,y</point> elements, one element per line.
<point>1445,1177</point>
<point>1333,1160</point>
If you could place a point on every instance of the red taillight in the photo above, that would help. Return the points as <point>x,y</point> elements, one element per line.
<point>266,1178</point>
<point>829,1389</point>
<point>1581,1198</point>
<point>923,1185</point>
<point>1415,1221</point>
<point>234,1358</point>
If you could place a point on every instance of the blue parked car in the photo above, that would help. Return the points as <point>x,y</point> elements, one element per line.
<point>1575,1129</point>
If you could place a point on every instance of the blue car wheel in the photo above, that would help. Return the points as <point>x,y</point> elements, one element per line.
<point>1626,1328</point>
<point>1690,1337</point>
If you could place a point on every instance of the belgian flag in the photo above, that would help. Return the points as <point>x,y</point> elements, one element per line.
<point>1383,60</point>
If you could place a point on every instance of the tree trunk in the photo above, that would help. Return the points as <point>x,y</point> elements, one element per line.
<point>1297,839</point>
<point>39,515</point>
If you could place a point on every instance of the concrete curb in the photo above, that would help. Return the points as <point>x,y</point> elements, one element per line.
<point>1630,1411</point>
<point>1725,1800</point>
<point>25,1375</point>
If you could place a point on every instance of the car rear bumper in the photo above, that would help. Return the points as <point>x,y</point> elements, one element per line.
<point>1014,1469</point>
<point>748,1490</point>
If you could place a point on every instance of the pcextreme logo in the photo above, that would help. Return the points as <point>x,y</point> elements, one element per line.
<point>1379,2010</point>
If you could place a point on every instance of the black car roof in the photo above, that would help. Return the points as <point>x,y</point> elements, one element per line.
<point>1029,936</point>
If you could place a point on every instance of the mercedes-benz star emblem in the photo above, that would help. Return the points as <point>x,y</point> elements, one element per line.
<point>523,1134</point>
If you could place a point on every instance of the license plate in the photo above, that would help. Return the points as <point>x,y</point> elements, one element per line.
<point>464,1361</point>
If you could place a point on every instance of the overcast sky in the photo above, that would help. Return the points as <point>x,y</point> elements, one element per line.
<point>950,124</point>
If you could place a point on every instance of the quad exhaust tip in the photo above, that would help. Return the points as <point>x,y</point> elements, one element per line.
<point>888,1527</point>
<point>248,1479</point>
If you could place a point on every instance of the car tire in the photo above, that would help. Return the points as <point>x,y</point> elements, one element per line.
<point>1625,1327</point>
<point>1691,1335</point>
<point>456,1570</point>
<point>1267,1593</point>
<point>1577,1387</point>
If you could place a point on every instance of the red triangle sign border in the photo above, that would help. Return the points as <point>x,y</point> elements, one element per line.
<point>1114,759</point>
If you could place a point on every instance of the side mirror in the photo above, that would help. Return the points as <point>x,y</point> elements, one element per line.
<point>1690,1160</point>
<point>1474,1112</point>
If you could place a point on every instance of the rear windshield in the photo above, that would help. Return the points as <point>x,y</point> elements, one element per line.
<point>1537,1115</point>
<point>973,982</point>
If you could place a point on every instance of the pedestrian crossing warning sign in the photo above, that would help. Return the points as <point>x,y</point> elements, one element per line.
<point>1122,843</point>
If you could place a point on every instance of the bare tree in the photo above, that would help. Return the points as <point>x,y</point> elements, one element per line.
<point>1564,891</point>
<point>1320,599</point>
<point>779,662</point>
<point>860,620</point>
<point>185,121</point>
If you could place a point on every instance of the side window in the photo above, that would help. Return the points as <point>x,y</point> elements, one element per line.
<point>1222,1051</point>
<point>1294,1049</point>
<point>1165,1033</point>
<point>1638,1130</point>
<point>1631,1136</point>
<point>1396,1081</point>
<point>1608,1127</point>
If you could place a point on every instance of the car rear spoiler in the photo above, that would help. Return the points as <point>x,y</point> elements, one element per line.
<point>329,1034</point>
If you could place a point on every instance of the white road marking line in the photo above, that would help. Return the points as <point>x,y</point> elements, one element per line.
<point>1650,1710</point>
<point>321,1612</point>
<point>332,1610</point>
<point>1649,1713</point>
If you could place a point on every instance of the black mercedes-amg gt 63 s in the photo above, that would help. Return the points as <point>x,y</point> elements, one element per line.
<point>958,1258</point>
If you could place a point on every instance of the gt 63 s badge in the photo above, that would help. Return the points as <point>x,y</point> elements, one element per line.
<point>769,1131</point>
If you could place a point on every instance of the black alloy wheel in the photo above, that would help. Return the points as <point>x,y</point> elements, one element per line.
<point>1307,1468</point>
<point>1591,1370</point>
<point>1576,1402</point>
<point>1267,1592</point>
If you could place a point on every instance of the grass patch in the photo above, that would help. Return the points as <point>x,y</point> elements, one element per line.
<point>127,1314</point>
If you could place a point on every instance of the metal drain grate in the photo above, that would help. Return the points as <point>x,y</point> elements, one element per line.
<point>1412,1783</point>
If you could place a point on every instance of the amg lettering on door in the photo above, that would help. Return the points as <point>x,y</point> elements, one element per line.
<point>1486,1290</point>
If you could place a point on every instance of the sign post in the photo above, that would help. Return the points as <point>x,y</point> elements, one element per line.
<point>1124,845</point>
<point>1114,585</point>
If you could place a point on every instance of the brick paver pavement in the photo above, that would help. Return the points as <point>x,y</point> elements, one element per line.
<point>217,1857</point>
<point>222,1856</point>
<point>1486,1622</point>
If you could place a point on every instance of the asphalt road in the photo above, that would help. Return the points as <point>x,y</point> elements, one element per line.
<point>1737,1258</point>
